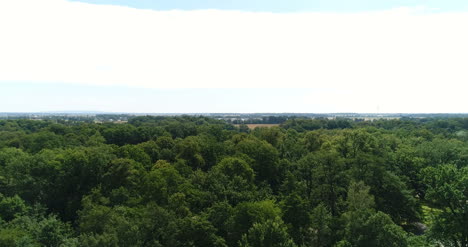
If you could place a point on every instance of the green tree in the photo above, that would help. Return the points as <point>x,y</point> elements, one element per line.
<point>321,222</point>
<point>296,215</point>
<point>189,149</point>
<point>11,207</point>
<point>366,227</point>
<point>161,182</point>
<point>123,173</point>
<point>324,178</point>
<point>248,213</point>
<point>448,190</point>
<point>265,158</point>
<point>271,233</point>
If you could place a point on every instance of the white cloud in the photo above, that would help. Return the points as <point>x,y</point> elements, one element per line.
<point>401,57</point>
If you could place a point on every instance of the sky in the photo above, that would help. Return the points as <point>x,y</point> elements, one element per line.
<point>287,6</point>
<point>185,56</point>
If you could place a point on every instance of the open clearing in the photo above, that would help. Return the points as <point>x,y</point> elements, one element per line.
<point>253,126</point>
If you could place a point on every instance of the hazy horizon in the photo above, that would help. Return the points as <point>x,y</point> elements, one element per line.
<point>81,112</point>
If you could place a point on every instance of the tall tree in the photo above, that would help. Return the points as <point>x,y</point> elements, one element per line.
<point>448,190</point>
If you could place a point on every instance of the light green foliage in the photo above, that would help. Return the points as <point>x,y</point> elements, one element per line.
<point>13,237</point>
<point>271,233</point>
<point>47,231</point>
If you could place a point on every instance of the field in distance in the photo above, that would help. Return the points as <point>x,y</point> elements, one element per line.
<point>253,126</point>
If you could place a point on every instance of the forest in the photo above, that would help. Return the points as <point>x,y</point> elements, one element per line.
<point>198,181</point>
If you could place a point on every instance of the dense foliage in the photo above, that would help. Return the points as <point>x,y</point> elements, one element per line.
<point>197,181</point>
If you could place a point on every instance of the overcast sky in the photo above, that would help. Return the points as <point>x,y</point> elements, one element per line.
<point>234,56</point>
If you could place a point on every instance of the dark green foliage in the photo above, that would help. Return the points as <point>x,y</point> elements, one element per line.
<point>246,214</point>
<point>321,222</point>
<point>11,207</point>
<point>366,227</point>
<point>265,158</point>
<point>198,181</point>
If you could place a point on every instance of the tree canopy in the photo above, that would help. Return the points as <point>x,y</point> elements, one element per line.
<point>198,181</point>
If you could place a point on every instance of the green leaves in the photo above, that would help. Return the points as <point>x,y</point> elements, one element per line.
<point>265,158</point>
<point>366,227</point>
<point>247,214</point>
<point>195,181</point>
<point>271,233</point>
<point>11,207</point>
<point>448,189</point>
<point>235,167</point>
